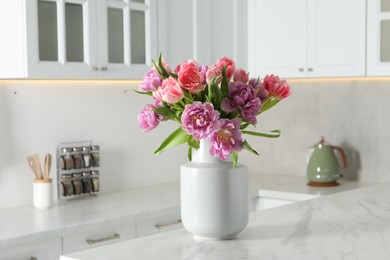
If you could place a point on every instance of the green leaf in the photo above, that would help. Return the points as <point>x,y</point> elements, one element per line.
<point>214,94</point>
<point>235,159</point>
<point>179,136</point>
<point>218,96</point>
<point>157,69</point>
<point>247,147</point>
<point>161,66</point>
<point>243,126</point>
<point>269,103</point>
<point>224,83</point>
<point>193,143</point>
<point>276,135</point>
<point>167,112</point>
<point>209,92</point>
<point>189,154</point>
<point>143,93</point>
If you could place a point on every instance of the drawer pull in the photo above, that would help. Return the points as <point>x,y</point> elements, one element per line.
<point>95,241</point>
<point>160,226</point>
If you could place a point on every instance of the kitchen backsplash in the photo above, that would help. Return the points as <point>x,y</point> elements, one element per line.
<point>35,116</point>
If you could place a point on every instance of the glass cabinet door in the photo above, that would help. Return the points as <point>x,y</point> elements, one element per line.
<point>61,38</point>
<point>385,32</point>
<point>378,38</point>
<point>127,40</point>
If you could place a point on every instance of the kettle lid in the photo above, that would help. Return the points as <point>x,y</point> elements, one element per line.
<point>322,142</point>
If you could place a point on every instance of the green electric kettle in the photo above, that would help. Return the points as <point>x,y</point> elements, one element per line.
<point>323,167</point>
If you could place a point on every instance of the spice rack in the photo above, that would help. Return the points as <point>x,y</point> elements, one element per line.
<point>77,169</point>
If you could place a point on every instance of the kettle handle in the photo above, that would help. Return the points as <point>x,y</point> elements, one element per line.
<point>343,155</point>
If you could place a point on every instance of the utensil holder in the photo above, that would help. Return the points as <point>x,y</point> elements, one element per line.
<point>42,194</point>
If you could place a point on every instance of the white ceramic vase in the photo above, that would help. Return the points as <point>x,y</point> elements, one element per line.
<point>214,196</point>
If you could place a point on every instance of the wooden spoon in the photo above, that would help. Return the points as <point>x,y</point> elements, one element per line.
<point>47,166</point>
<point>31,163</point>
<point>38,166</point>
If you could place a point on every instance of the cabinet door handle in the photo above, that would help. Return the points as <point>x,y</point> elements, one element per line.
<point>33,258</point>
<point>103,68</point>
<point>301,69</point>
<point>94,241</point>
<point>310,69</point>
<point>160,226</point>
<point>94,68</point>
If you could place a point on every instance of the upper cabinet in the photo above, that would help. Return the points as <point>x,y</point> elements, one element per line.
<point>203,30</point>
<point>378,38</point>
<point>307,38</point>
<point>104,39</point>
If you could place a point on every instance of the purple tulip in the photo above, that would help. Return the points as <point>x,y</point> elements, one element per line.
<point>148,119</point>
<point>151,81</point>
<point>242,99</point>
<point>227,139</point>
<point>200,119</point>
<point>259,89</point>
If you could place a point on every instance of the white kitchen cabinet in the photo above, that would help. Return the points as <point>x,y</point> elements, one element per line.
<point>45,250</point>
<point>98,237</point>
<point>307,38</point>
<point>378,38</point>
<point>158,224</point>
<point>77,38</point>
<point>203,30</point>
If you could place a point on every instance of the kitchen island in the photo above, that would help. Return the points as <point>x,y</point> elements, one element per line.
<point>353,224</point>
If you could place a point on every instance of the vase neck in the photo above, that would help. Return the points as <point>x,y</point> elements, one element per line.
<point>202,155</point>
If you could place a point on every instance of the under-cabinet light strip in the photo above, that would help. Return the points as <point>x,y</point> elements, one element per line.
<point>137,82</point>
<point>68,82</point>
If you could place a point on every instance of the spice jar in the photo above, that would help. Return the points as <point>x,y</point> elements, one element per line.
<point>66,159</point>
<point>77,185</point>
<point>66,185</point>
<point>95,181</point>
<point>77,158</point>
<point>95,154</point>
<point>86,181</point>
<point>86,154</point>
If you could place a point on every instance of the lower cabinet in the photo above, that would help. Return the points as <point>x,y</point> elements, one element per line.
<point>44,250</point>
<point>98,237</point>
<point>158,224</point>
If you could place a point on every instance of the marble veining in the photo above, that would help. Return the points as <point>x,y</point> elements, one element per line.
<point>24,225</point>
<point>348,225</point>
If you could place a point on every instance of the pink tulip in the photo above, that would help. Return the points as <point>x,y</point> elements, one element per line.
<point>229,64</point>
<point>170,91</point>
<point>276,87</point>
<point>212,72</point>
<point>241,75</point>
<point>190,77</point>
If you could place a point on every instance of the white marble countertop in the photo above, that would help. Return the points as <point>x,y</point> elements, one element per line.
<point>23,225</point>
<point>349,225</point>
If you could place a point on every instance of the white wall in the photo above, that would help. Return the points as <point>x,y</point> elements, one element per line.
<point>351,114</point>
<point>37,115</point>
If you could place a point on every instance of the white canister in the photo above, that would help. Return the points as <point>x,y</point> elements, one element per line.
<point>42,194</point>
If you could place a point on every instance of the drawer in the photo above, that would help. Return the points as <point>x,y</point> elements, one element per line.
<point>101,236</point>
<point>45,250</point>
<point>158,224</point>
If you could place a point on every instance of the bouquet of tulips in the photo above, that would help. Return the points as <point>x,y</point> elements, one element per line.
<point>216,102</point>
